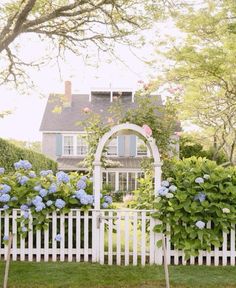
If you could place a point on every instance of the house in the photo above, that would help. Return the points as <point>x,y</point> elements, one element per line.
<point>63,139</point>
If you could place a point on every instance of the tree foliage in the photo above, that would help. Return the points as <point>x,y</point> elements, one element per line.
<point>65,25</point>
<point>202,61</point>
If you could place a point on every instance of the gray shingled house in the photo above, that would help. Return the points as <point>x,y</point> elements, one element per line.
<point>63,141</point>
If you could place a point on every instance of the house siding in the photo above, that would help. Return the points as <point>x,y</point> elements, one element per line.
<point>49,145</point>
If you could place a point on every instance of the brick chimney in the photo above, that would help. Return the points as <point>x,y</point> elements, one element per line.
<point>68,95</point>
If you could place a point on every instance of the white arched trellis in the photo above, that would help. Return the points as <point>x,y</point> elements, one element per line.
<point>126,128</point>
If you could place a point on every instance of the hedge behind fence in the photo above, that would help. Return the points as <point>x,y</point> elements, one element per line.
<point>9,154</point>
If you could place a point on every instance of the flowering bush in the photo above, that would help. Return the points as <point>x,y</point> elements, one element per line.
<point>196,192</point>
<point>40,195</point>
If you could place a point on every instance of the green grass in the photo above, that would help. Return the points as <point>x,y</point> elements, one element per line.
<point>70,275</point>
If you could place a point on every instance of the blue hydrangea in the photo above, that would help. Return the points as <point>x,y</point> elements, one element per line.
<point>45,173</point>
<point>49,203</point>
<point>199,180</point>
<point>200,196</point>
<point>39,207</point>
<point>14,198</point>
<point>172,188</point>
<point>105,205</point>
<point>37,188</point>
<point>5,238</point>
<point>23,229</point>
<point>163,191</point>
<point>62,177</point>
<point>108,199</point>
<point>23,164</point>
<point>58,237</point>
<point>84,178</point>
<point>24,207</point>
<point>60,203</point>
<point>165,183</point>
<point>43,192</point>
<point>80,193</point>
<point>81,184</point>
<point>5,198</point>
<point>32,174</point>
<point>26,215</point>
<point>5,207</point>
<point>2,170</point>
<point>37,200</point>
<point>84,200</point>
<point>52,188</point>
<point>200,224</point>
<point>91,179</point>
<point>22,180</point>
<point>4,188</point>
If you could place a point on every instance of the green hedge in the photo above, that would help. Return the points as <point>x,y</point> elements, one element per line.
<point>9,154</point>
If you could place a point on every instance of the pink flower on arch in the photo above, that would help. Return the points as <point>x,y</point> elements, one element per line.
<point>147,130</point>
<point>86,110</point>
<point>110,120</point>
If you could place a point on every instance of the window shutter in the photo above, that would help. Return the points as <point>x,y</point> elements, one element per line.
<point>132,147</point>
<point>58,144</point>
<point>121,145</point>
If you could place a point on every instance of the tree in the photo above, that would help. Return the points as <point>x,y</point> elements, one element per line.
<point>66,25</point>
<point>203,63</point>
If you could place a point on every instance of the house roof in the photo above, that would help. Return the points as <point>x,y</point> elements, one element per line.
<point>76,163</point>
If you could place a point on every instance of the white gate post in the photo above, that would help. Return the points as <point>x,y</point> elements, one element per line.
<point>157,177</point>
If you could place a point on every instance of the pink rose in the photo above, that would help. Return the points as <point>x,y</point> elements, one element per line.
<point>147,130</point>
<point>86,110</point>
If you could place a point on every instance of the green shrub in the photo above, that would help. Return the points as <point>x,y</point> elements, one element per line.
<point>11,154</point>
<point>196,192</point>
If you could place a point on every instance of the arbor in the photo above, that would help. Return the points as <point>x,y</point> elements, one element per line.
<point>203,63</point>
<point>65,25</point>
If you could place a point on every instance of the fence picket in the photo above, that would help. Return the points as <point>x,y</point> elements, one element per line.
<point>110,230</point>
<point>70,237</point>
<point>152,239</point>
<point>53,235</point>
<point>135,240</point>
<point>101,237</point>
<point>232,246</point>
<point>126,238</point>
<point>46,244</point>
<point>224,249</point>
<point>6,232</point>
<point>86,238</point>
<point>78,238</point>
<point>143,238</point>
<point>14,233</point>
<point>118,243</point>
<point>63,235</point>
<point>22,243</point>
<point>30,238</point>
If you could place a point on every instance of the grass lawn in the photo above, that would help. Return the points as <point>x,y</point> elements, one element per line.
<point>70,275</point>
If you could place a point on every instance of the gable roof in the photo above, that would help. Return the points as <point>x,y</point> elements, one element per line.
<point>67,119</point>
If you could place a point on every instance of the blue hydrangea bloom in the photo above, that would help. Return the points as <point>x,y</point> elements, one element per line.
<point>5,207</point>
<point>58,237</point>
<point>105,205</point>
<point>14,198</point>
<point>2,170</point>
<point>37,200</point>
<point>90,199</point>
<point>62,177</point>
<point>37,188</point>
<point>5,198</point>
<point>172,188</point>
<point>199,180</point>
<point>5,238</point>
<point>84,200</point>
<point>49,203</point>
<point>200,224</point>
<point>200,196</point>
<point>163,191</point>
<point>84,178</point>
<point>80,193</point>
<point>39,207</point>
<point>23,164</point>
<point>4,188</point>
<point>22,180</point>
<point>26,215</point>
<point>24,207</point>
<point>108,199</point>
<point>53,188</point>
<point>23,229</point>
<point>60,203</point>
<point>45,173</point>
<point>81,184</point>
<point>43,192</point>
<point>165,183</point>
<point>32,174</point>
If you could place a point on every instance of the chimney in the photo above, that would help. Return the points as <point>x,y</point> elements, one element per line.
<point>68,95</point>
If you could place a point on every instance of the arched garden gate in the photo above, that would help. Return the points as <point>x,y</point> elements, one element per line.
<point>116,236</point>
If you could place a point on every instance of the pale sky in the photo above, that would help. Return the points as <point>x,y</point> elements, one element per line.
<point>27,110</point>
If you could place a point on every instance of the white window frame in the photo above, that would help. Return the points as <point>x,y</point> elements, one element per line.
<point>74,144</point>
<point>141,155</point>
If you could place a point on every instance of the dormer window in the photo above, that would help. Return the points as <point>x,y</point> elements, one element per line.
<point>112,147</point>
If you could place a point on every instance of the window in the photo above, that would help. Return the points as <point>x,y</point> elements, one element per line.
<point>112,180</point>
<point>123,181</point>
<point>112,147</point>
<point>131,181</point>
<point>68,145</point>
<point>82,147</point>
<point>141,148</point>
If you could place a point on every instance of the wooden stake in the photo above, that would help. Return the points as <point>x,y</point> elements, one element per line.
<point>7,261</point>
<point>165,261</point>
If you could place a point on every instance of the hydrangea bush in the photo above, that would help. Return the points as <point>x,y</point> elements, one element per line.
<point>197,191</point>
<point>44,193</point>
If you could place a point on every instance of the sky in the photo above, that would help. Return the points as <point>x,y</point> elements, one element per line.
<point>27,110</point>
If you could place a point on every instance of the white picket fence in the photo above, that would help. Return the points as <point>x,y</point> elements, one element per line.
<point>111,237</point>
